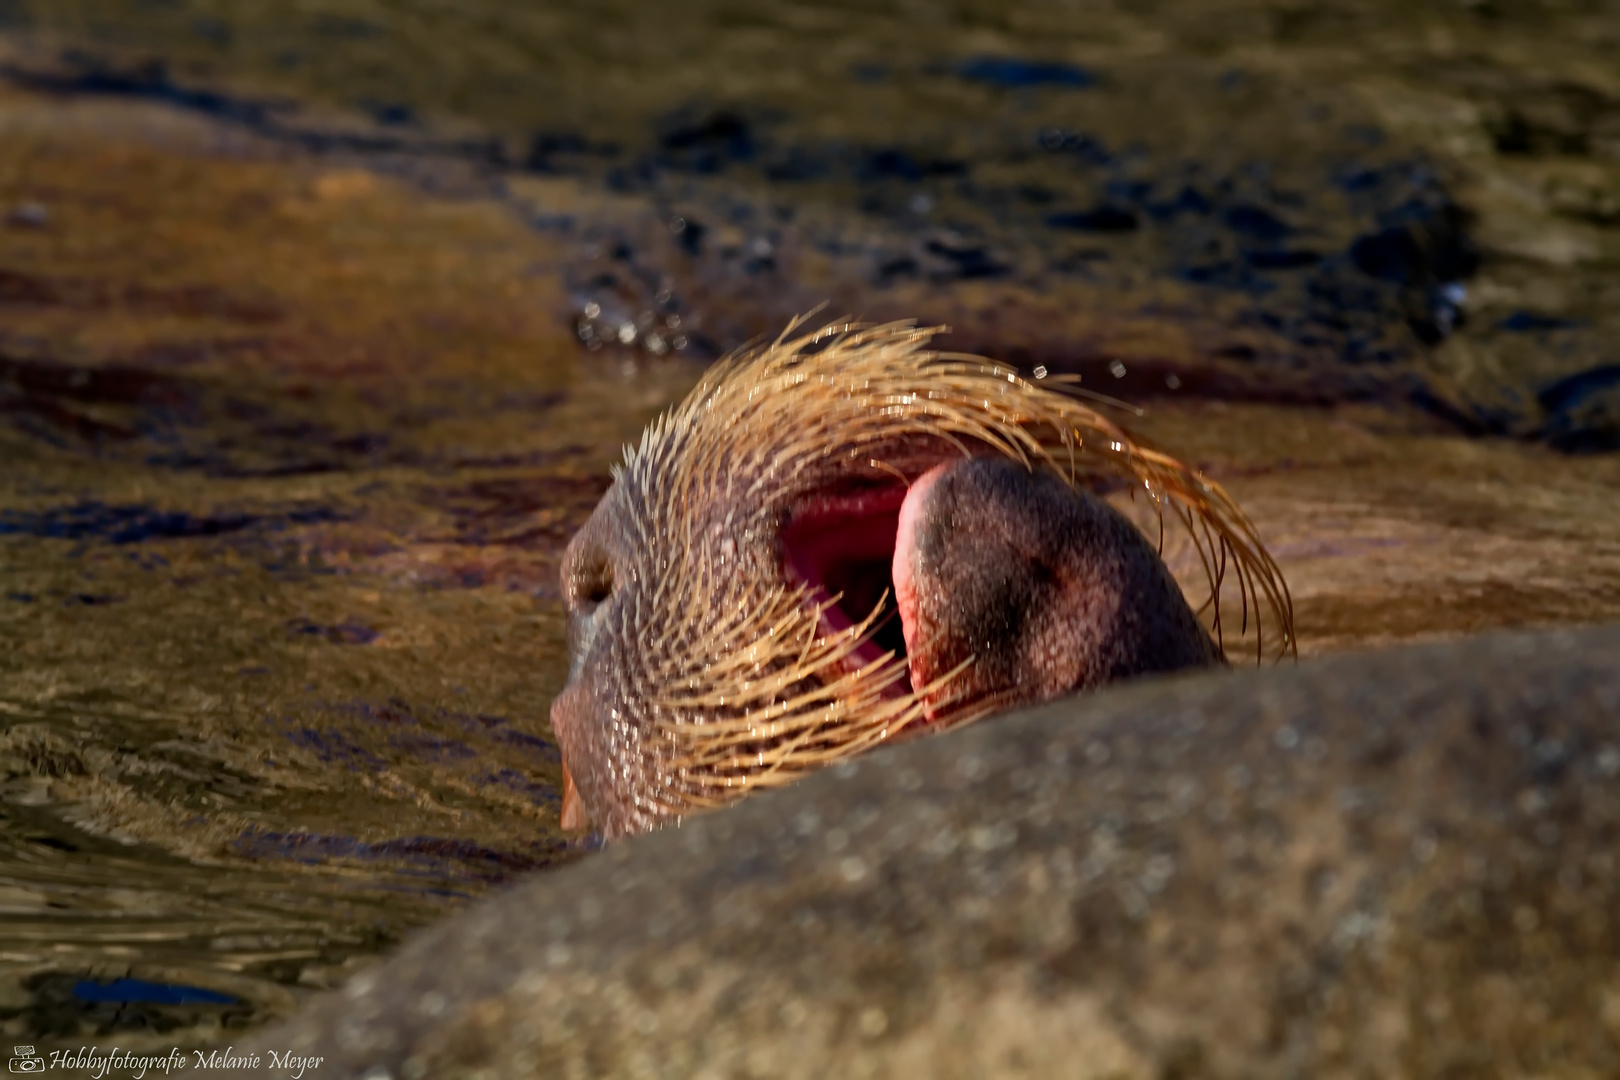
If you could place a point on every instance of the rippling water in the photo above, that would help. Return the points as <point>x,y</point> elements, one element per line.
<point>320,325</point>
<point>1336,186</point>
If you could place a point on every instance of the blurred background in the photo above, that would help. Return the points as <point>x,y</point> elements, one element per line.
<point>322,321</point>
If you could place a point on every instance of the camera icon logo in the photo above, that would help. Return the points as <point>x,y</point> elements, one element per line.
<point>26,1060</point>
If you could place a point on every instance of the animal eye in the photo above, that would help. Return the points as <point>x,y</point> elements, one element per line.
<point>593,580</point>
<point>601,588</point>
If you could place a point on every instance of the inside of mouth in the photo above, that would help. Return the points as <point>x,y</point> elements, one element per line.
<point>842,545</point>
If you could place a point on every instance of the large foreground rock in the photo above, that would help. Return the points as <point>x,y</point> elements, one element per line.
<point>1399,864</point>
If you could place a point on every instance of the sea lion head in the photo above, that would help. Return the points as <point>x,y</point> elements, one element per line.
<point>844,536</point>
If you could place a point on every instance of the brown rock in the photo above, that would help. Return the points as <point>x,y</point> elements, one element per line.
<point>1395,864</point>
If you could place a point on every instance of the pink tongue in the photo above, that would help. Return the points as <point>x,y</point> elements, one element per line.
<point>905,584</point>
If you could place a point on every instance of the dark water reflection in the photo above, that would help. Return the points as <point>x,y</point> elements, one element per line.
<point>321,323</point>
<point>1343,187</point>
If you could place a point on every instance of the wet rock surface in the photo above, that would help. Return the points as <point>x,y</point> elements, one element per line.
<point>1394,864</point>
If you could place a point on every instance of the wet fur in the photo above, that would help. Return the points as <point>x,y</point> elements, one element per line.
<point>1034,590</point>
<point>699,672</point>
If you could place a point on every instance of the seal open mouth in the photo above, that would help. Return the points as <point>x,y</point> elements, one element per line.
<point>843,547</point>
<point>843,536</point>
<point>860,556</point>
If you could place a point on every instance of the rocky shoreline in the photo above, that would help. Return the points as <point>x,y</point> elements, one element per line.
<point>1398,863</point>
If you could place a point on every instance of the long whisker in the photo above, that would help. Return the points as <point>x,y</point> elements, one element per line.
<point>749,691</point>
